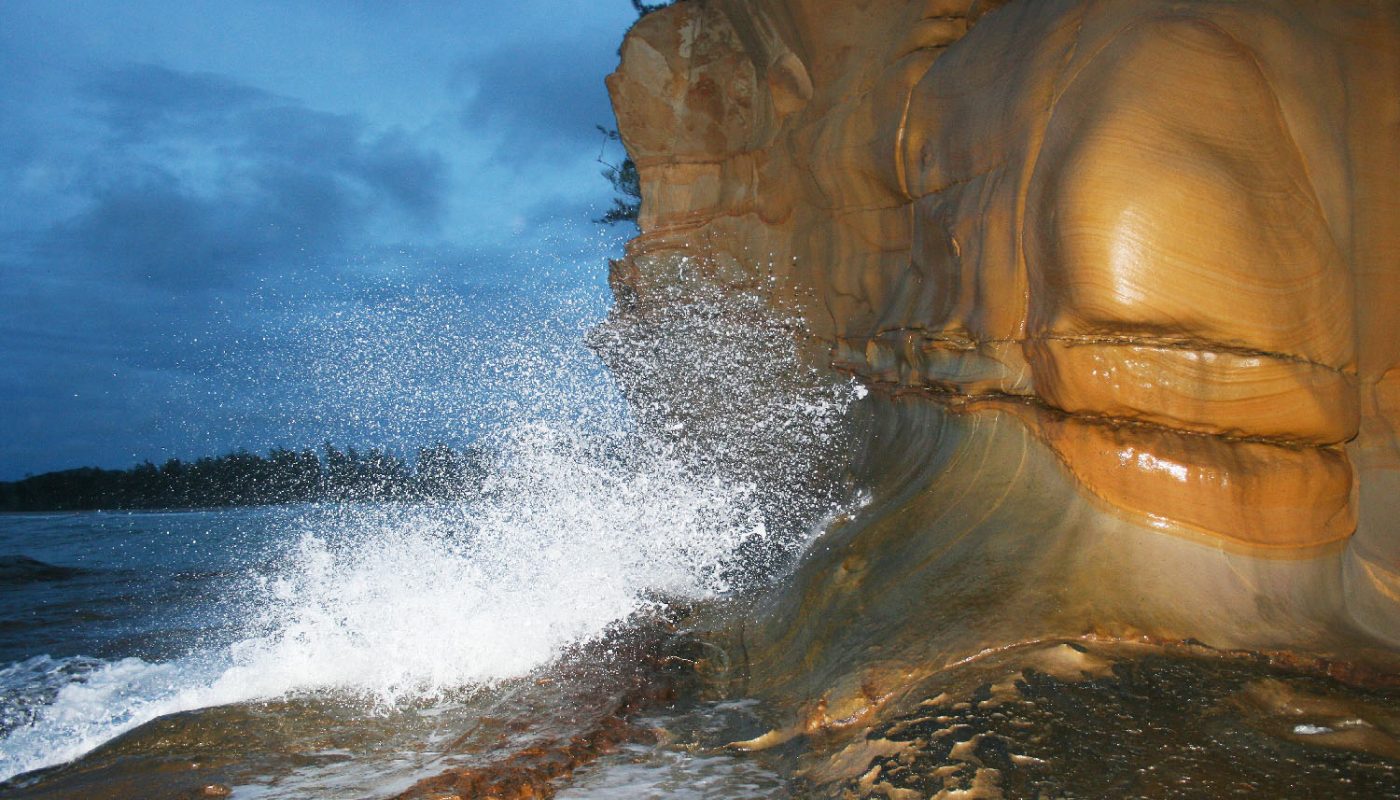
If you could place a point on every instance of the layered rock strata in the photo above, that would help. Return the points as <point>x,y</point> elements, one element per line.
<point>1125,276</point>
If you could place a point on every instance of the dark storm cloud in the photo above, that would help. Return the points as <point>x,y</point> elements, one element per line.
<point>203,180</point>
<point>144,100</point>
<point>179,194</point>
<point>545,96</point>
<point>154,231</point>
<point>182,178</point>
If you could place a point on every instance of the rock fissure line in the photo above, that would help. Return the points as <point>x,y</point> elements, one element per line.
<point>952,394</point>
<point>1202,346</point>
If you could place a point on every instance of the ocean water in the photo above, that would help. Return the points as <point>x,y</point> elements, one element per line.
<point>359,650</point>
<point>110,616</point>
<point>361,617</point>
<point>353,649</point>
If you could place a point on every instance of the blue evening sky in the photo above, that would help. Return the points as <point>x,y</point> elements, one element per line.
<point>268,223</point>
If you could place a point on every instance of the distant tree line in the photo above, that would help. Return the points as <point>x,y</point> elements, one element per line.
<point>242,478</point>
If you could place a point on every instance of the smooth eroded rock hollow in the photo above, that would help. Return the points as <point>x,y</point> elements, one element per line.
<point>1123,276</point>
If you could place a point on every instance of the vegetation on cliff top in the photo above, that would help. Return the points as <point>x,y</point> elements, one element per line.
<point>625,181</point>
<point>624,177</point>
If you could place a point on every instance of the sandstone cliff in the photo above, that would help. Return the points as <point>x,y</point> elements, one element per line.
<point>1124,277</point>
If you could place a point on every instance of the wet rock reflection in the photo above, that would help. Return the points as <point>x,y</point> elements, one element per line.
<point>1156,724</point>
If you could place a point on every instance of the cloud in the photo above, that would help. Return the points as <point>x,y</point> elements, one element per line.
<point>167,202</point>
<point>545,97</point>
<point>141,101</point>
<point>154,231</point>
<point>204,182</point>
<point>171,198</point>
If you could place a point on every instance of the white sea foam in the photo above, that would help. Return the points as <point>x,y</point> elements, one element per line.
<point>395,603</point>
<point>583,521</point>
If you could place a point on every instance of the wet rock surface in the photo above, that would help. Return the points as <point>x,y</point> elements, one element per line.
<point>1158,237</point>
<point>1152,724</point>
<point>1119,277</point>
<point>517,739</point>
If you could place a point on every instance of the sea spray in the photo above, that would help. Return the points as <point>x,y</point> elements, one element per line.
<point>718,376</point>
<point>400,604</point>
<point>587,514</point>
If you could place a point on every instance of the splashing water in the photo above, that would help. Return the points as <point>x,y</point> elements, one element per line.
<point>716,375</point>
<point>402,604</point>
<point>587,516</point>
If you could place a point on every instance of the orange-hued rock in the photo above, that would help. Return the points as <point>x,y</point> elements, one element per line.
<point>1287,497</point>
<point>1154,247</point>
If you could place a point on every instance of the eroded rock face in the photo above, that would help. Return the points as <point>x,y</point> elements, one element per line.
<point>1152,248</point>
